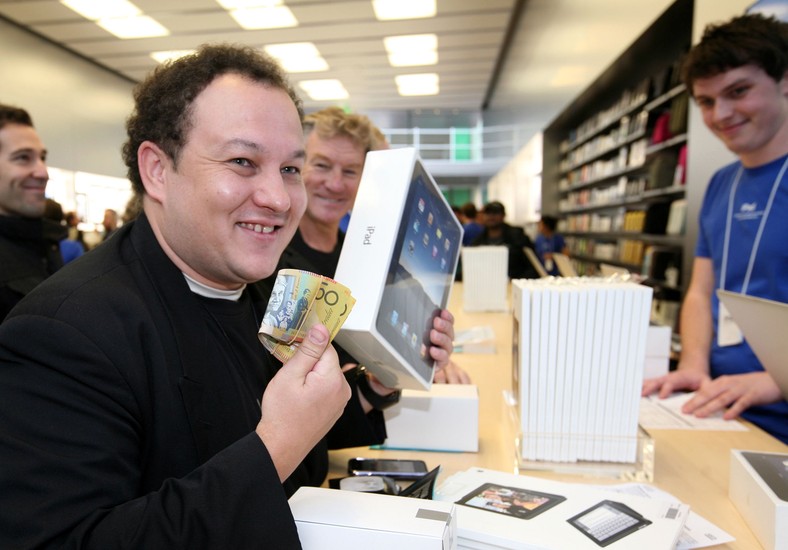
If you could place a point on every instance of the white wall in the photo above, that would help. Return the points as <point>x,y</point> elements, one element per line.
<point>78,108</point>
<point>519,184</point>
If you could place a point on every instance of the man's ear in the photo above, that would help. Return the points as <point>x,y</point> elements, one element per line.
<point>154,165</point>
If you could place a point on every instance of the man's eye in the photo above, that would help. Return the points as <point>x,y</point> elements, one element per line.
<point>705,103</point>
<point>241,162</point>
<point>740,91</point>
<point>291,170</point>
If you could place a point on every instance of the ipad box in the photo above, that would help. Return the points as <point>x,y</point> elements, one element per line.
<point>399,258</point>
<point>758,488</point>
<point>445,418</point>
<point>330,519</point>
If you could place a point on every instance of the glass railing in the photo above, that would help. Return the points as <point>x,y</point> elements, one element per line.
<point>461,145</point>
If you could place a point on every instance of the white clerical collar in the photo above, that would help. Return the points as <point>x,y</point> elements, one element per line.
<point>210,292</point>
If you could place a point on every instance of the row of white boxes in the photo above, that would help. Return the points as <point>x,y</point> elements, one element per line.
<point>580,346</point>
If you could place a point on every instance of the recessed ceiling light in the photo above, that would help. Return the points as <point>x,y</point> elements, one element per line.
<point>417,84</point>
<point>325,89</point>
<point>170,55</point>
<point>298,57</point>
<point>99,9</point>
<point>239,4</point>
<point>275,17</point>
<point>138,26</point>
<point>412,50</point>
<point>403,9</point>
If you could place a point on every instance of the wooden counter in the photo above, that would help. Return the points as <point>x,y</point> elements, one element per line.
<point>691,465</point>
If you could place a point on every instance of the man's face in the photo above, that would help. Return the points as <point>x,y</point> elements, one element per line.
<point>277,296</point>
<point>331,175</point>
<point>746,109</point>
<point>493,219</point>
<point>110,220</point>
<point>235,200</point>
<point>23,172</point>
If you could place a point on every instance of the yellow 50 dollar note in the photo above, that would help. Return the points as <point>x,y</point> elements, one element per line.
<point>300,300</point>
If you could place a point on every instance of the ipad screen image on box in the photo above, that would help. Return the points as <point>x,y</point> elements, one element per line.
<point>420,273</point>
<point>773,469</point>
<point>510,501</point>
<point>763,324</point>
<point>608,521</point>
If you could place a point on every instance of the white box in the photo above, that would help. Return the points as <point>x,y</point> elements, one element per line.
<point>757,480</point>
<point>445,418</point>
<point>485,279</point>
<point>657,351</point>
<point>399,258</point>
<point>330,519</point>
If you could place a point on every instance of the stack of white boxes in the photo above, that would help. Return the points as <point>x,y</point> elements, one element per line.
<point>581,346</point>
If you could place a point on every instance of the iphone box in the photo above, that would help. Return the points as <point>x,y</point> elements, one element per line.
<point>330,519</point>
<point>445,418</point>
<point>759,489</point>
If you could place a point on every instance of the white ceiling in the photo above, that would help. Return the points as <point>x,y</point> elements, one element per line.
<point>557,47</point>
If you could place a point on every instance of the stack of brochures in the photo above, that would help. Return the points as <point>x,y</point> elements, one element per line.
<point>496,510</point>
<point>580,347</point>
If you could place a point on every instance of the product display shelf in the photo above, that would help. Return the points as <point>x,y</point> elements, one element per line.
<point>612,159</point>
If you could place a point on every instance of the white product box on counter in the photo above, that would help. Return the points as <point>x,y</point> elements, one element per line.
<point>445,418</point>
<point>330,519</point>
<point>759,489</point>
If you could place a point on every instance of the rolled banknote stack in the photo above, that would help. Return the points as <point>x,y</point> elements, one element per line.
<point>299,301</point>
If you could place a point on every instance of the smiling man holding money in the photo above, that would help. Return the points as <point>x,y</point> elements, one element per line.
<point>139,408</point>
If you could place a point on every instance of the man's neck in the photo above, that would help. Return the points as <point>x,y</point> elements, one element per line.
<point>321,237</point>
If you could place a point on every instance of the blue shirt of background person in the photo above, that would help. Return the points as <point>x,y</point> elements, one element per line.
<point>547,242</point>
<point>470,226</point>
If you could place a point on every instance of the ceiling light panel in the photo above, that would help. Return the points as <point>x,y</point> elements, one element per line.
<point>403,9</point>
<point>240,4</point>
<point>275,17</point>
<point>99,9</point>
<point>170,55</point>
<point>138,26</point>
<point>298,57</point>
<point>417,84</point>
<point>412,50</point>
<point>324,90</point>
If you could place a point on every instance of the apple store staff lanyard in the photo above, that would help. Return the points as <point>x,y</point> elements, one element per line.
<point>757,242</point>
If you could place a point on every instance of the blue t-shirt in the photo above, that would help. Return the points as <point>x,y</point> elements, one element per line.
<point>769,278</point>
<point>471,231</point>
<point>548,245</point>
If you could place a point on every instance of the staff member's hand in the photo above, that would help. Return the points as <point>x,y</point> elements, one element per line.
<point>736,392</point>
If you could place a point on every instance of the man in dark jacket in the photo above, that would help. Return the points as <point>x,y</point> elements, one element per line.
<point>498,232</point>
<point>139,408</point>
<point>29,244</point>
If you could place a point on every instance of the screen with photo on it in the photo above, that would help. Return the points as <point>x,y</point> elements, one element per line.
<point>511,501</point>
<point>421,272</point>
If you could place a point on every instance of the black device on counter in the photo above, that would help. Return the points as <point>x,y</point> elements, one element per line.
<point>390,467</point>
